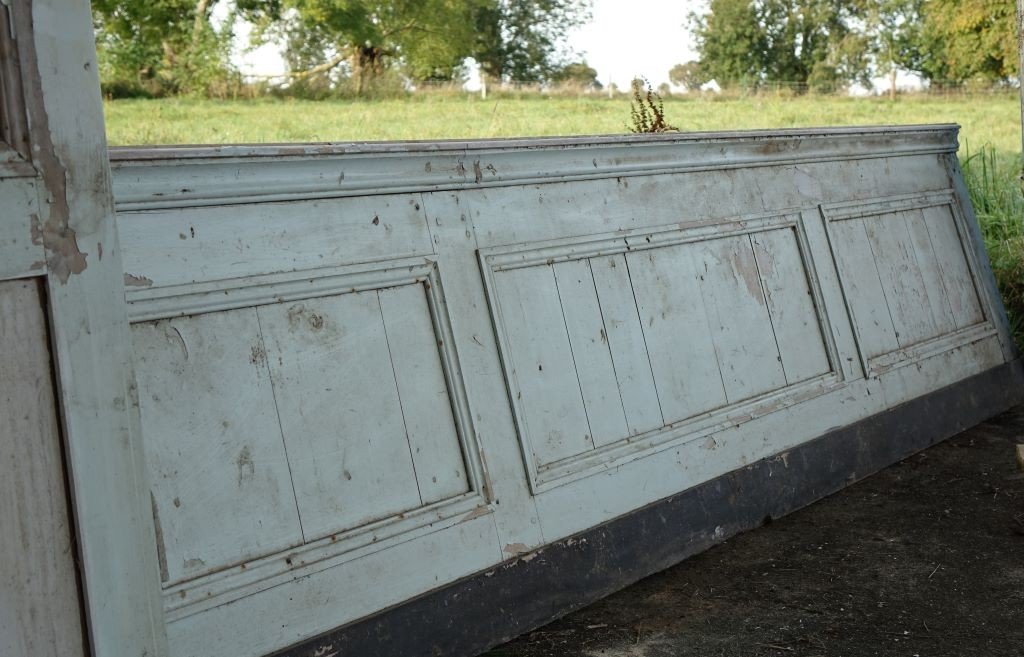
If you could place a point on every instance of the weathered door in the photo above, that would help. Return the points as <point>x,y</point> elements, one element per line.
<point>67,428</point>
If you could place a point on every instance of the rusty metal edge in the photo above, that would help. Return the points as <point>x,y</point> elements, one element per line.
<point>469,616</point>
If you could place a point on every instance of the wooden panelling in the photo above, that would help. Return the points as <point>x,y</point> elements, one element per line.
<point>40,612</point>
<point>475,349</point>
<point>677,331</point>
<point>909,283</point>
<point>662,340</point>
<point>541,363</point>
<point>627,344</point>
<point>790,299</point>
<point>175,248</point>
<point>222,493</point>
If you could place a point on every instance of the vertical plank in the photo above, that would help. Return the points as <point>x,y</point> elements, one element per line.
<point>876,333</point>
<point>589,342</point>
<point>676,328</point>
<point>40,613</point>
<point>931,271</point>
<point>90,336</point>
<point>738,312</point>
<point>426,406</point>
<point>627,344</point>
<point>956,275</point>
<point>542,363</point>
<point>901,278</point>
<point>340,413</point>
<point>218,471</point>
<point>790,305</point>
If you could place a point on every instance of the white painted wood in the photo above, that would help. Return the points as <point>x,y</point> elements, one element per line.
<point>504,472</point>
<point>21,243</point>
<point>589,342</point>
<point>956,279</point>
<point>931,270</point>
<point>794,319</point>
<point>627,344</point>
<point>340,411</point>
<point>303,608</point>
<point>221,488</point>
<point>862,286</point>
<point>741,328</point>
<point>678,331</point>
<point>547,388</point>
<point>40,613</point>
<point>425,404</point>
<point>174,248</point>
<point>90,341</point>
<point>902,282</point>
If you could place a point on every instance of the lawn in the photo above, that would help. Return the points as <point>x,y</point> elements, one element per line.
<point>986,120</point>
<point>990,138</point>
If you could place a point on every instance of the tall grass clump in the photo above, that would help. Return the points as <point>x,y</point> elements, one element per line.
<point>995,188</point>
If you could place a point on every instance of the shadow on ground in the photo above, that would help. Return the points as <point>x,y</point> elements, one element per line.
<point>924,559</point>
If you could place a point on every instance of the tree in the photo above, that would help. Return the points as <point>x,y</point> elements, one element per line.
<point>522,40</point>
<point>690,75</point>
<point>732,42</point>
<point>368,36</point>
<point>970,39</point>
<point>894,29</point>
<point>160,47</point>
<point>808,42</point>
<point>577,74</point>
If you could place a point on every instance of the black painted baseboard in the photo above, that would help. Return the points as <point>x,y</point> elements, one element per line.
<point>469,616</point>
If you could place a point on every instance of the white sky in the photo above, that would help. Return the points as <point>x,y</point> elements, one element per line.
<point>625,38</point>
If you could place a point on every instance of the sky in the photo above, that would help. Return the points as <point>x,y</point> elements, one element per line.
<point>630,38</point>
<point>625,39</point>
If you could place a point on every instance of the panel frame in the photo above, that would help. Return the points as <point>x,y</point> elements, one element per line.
<point>202,593</point>
<point>873,366</point>
<point>493,260</point>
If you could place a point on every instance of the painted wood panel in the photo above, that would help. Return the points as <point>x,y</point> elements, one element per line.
<point>869,308</point>
<point>221,487</point>
<point>741,328</point>
<point>588,339</point>
<point>176,248</point>
<point>627,344</point>
<point>40,612</point>
<point>931,271</point>
<point>678,331</point>
<point>794,318</point>
<point>542,364</point>
<point>902,282</point>
<point>340,411</point>
<point>957,281</point>
<point>425,404</point>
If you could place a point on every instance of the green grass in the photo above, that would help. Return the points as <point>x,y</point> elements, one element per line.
<point>986,120</point>
<point>990,137</point>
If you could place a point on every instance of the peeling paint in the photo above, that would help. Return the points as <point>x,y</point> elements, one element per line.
<point>131,280</point>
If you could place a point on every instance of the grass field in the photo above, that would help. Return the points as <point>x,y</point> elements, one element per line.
<point>990,136</point>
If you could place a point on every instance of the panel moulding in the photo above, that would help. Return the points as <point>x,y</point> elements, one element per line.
<point>150,304</point>
<point>875,365</point>
<point>545,476</point>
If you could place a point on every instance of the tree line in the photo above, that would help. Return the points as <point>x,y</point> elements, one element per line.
<point>170,47</point>
<point>827,44</point>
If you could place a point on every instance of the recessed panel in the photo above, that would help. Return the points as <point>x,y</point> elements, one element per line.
<point>616,346</point>
<point>221,490</point>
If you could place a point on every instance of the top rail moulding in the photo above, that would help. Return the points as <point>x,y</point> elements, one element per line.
<point>150,178</point>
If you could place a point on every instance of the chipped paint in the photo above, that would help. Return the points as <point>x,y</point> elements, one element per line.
<point>131,280</point>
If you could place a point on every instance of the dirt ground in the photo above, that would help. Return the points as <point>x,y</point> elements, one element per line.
<point>924,559</point>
